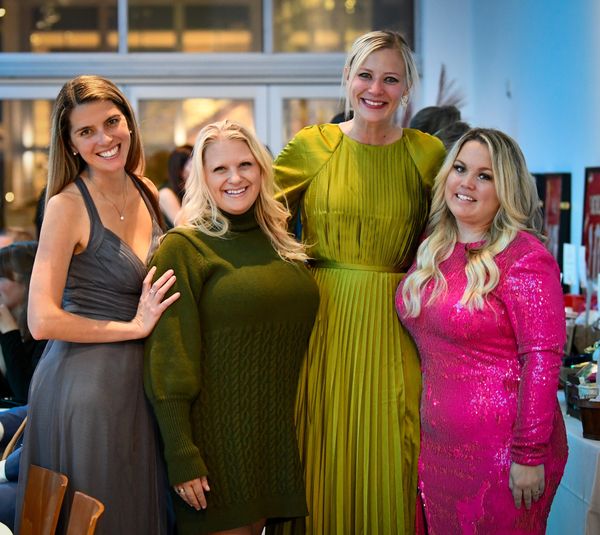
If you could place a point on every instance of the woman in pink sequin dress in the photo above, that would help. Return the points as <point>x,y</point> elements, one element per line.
<point>483,303</point>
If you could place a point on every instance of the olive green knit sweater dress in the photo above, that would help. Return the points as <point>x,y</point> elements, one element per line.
<point>221,371</point>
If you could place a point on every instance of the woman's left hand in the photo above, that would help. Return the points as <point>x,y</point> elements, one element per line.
<point>526,483</point>
<point>193,492</point>
<point>7,320</point>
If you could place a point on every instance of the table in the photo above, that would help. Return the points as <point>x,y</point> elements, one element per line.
<point>576,507</point>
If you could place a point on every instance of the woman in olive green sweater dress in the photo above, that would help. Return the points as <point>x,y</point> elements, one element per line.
<point>222,365</point>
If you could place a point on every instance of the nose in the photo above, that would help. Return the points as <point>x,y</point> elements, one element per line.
<point>104,137</point>
<point>468,181</point>
<point>376,87</point>
<point>234,177</point>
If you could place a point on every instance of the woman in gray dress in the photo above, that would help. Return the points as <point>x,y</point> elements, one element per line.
<point>91,297</point>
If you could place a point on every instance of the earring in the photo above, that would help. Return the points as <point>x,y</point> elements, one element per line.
<point>75,153</point>
<point>404,100</point>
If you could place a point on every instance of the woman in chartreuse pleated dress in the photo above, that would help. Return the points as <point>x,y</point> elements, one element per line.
<point>363,190</point>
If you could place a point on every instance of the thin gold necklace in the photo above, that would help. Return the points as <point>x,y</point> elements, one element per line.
<point>122,211</point>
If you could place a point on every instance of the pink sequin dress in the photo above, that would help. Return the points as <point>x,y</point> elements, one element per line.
<point>489,393</point>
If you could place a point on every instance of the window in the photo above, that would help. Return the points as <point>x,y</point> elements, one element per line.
<point>52,26</point>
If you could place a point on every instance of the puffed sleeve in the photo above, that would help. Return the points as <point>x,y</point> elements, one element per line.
<point>427,152</point>
<point>533,298</point>
<point>172,358</point>
<point>301,159</point>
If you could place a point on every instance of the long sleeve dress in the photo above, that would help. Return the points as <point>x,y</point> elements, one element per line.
<point>221,372</point>
<point>363,209</point>
<point>489,393</point>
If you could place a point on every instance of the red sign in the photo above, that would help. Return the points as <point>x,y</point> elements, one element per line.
<point>591,222</point>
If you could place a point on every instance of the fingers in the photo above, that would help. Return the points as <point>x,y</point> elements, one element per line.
<point>148,278</point>
<point>161,285</point>
<point>517,496</point>
<point>526,496</point>
<point>192,492</point>
<point>198,487</point>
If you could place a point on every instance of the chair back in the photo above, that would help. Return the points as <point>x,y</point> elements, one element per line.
<point>44,495</point>
<point>15,438</point>
<point>84,515</point>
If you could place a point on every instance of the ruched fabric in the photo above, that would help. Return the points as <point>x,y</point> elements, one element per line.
<point>363,208</point>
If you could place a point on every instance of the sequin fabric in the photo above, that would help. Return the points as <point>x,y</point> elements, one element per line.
<point>489,393</point>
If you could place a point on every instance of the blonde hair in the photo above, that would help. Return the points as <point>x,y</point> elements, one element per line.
<point>371,42</point>
<point>63,165</point>
<point>200,210</point>
<point>519,211</point>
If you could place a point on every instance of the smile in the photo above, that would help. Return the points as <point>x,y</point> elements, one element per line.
<point>235,192</point>
<point>462,197</point>
<point>373,103</point>
<point>110,153</point>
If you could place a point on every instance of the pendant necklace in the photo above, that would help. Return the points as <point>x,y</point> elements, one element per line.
<point>121,212</point>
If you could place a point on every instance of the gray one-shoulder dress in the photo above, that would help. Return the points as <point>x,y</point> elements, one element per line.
<point>88,415</point>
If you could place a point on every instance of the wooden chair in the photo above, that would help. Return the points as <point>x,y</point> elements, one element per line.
<point>84,514</point>
<point>15,438</point>
<point>44,495</point>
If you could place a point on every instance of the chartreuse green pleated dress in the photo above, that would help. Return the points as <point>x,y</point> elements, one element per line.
<point>363,209</point>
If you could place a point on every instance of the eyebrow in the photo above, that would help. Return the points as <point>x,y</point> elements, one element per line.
<point>114,116</point>
<point>459,161</point>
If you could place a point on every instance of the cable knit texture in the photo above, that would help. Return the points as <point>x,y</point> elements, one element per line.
<point>221,371</point>
<point>489,393</point>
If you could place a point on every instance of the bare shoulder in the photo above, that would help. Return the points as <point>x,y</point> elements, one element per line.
<point>66,215</point>
<point>69,201</point>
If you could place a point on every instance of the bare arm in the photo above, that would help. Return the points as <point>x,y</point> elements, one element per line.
<point>63,234</point>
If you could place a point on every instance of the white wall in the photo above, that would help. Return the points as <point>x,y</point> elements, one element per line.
<point>528,67</point>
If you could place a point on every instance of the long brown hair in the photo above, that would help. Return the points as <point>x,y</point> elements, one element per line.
<point>64,166</point>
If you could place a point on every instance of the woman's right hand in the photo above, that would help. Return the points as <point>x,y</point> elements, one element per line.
<point>152,303</point>
<point>192,492</point>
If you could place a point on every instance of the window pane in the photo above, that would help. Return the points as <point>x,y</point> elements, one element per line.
<point>195,25</point>
<point>74,26</point>
<point>168,123</point>
<point>301,112</point>
<point>332,25</point>
<point>25,128</point>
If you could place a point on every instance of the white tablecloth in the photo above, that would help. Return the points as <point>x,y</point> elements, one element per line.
<point>576,507</point>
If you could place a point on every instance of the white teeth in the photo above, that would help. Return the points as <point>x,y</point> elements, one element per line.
<point>464,197</point>
<point>235,191</point>
<point>109,153</point>
<point>373,102</point>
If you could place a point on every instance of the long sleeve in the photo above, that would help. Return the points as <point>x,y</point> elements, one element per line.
<point>532,295</point>
<point>21,359</point>
<point>172,359</point>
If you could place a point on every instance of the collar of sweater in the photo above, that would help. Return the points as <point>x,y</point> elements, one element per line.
<point>242,222</point>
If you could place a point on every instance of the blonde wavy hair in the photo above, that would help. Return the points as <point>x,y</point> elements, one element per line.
<point>371,42</point>
<point>519,210</point>
<point>200,210</point>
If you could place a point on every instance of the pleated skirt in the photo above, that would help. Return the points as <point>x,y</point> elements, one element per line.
<point>357,410</point>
